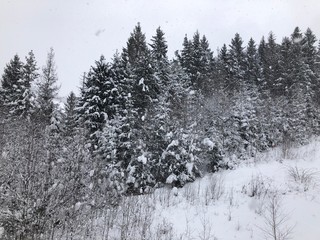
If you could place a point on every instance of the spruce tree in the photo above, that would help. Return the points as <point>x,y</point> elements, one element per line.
<point>309,49</point>
<point>92,101</point>
<point>270,69</point>
<point>143,93</point>
<point>70,116</point>
<point>12,84</point>
<point>236,63</point>
<point>159,49</point>
<point>262,63</point>
<point>139,69</point>
<point>30,75</point>
<point>47,89</point>
<point>185,58</point>
<point>222,75</point>
<point>300,94</point>
<point>252,74</point>
<point>196,59</point>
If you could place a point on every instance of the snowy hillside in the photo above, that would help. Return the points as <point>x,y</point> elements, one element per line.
<point>231,204</point>
<point>236,204</point>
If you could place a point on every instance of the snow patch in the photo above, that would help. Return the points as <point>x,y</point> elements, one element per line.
<point>175,191</point>
<point>173,143</point>
<point>1,231</point>
<point>77,206</point>
<point>142,159</point>
<point>131,179</point>
<point>171,179</point>
<point>207,142</point>
<point>190,167</point>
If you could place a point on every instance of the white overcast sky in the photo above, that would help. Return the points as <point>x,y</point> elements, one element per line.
<point>81,30</point>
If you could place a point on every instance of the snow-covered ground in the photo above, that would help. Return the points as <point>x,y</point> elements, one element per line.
<point>278,185</point>
<point>242,205</point>
<point>237,204</point>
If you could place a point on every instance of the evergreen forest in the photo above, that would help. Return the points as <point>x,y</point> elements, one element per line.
<point>142,121</point>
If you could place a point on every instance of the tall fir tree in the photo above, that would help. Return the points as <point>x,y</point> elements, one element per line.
<point>252,73</point>
<point>284,82</point>
<point>236,63</point>
<point>271,70</point>
<point>222,75</point>
<point>47,89</point>
<point>70,116</point>
<point>30,75</point>
<point>139,69</point>
<point>159,50</point>
<point>12,84</point>
<point>92,101</point>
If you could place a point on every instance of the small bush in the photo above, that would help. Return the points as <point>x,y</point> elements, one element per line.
<point>303,177</point>
<point>257,187</point>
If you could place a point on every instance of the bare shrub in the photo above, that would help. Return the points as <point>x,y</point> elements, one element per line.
<point>163,196</point>
<point>276,221</point>
<point>136,215</point>
<point>257,187</point>
<point>164,231</point>
<point>38,190</point>
<point>190,193</point>
<point>187,235</point>
<point>206,232</point>
<point>303,177</point>
<point>215,189</point>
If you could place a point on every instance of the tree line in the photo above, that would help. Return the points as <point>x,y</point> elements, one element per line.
<point>142,121</point>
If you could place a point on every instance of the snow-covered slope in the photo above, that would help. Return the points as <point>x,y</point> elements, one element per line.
<point>280,185</point>
<point>243,210</point>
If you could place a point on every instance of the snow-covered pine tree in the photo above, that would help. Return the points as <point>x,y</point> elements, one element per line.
<point>196,59</point>
<point>91,105</point>
<point>16,86</point>
<point>309,58</point>
<point>262,63</point>
<point>159,49</point>
<point>283,83</point>
<point>271,71</point>
<point>12,84</point>
<point>196,64</point>
<point>300,92</point>
<point>252,72</point>
<point>157,124</point>
<point>236,64</point>
<point>145,87</point>
<point>70,116</point>
<point>185,57</point>
<point>222,73</point>
<point>47,90</point>
<point>179,159</point>
<point>141,97</point>
<point>30,76</point>
<point>207,84</point>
